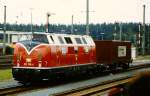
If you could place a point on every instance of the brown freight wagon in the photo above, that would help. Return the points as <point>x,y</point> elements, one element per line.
<point>113,53</point>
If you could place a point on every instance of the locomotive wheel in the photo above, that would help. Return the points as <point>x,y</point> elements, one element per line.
<point>125,66</point>
<point>112,67</point>
<point>25,83</point>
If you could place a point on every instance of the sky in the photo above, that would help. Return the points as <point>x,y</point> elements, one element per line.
<point>109,11</point>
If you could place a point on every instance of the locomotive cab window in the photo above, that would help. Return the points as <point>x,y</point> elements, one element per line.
<point>68,40</point>
<point>41,38</point>
<point>84,40</point>
<point>60,40</point>
<point>89,40</point>
<point>78,40</point>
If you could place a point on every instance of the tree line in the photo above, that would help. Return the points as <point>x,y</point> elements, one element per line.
<point>105,31</point>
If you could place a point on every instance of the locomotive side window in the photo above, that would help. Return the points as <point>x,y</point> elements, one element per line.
<point>89,40</point>
<point>68,40</point>
<point>78,40</point>
<point>84,40</point>
<point>60,40</point>
<point>52,39</point>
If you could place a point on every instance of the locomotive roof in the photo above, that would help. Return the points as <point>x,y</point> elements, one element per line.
<point>30,33</point>
<point>58,34</point>
<point>72,39</point>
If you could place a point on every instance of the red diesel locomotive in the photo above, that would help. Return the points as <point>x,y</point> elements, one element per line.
<point>48,55</point>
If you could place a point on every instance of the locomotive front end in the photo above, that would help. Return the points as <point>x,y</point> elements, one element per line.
<point>29,58</point>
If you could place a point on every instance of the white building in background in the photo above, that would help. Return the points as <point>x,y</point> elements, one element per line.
<point>133,53</point>
<point>15,36</point>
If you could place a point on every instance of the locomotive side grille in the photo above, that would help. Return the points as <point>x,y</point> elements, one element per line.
<point>39,59</point>
<point>18,59</point>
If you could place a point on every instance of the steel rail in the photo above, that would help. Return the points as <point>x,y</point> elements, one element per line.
<point>138,67</point>
<point>14,90</point>
<point>10,90</point>
<point>93,89</point>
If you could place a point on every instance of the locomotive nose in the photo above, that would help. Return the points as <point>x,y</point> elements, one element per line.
<point>41,54</point>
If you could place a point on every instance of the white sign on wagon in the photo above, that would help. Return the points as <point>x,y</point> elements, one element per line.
<point>121,51</point>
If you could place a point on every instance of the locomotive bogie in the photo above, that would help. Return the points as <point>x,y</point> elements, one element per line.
<point>33,74</point>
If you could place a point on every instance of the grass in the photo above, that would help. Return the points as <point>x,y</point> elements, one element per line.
<point>5,74</point>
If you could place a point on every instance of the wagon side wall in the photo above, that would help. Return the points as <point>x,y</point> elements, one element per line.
<point>111,52</point>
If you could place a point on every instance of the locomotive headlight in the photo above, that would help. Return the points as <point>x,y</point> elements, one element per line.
<point>40,63</point>
<point>28,60</point>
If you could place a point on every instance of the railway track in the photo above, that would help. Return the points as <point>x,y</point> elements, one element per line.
<point>14,90</point>
<point>102,87</point>
<point>82,91</point>
<point>95,89</point>
<point>87,90</point>
<point>9,90</point>
<point>136,67</point>
<point>6,61</point>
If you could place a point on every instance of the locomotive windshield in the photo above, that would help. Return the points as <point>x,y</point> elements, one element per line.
<point>41,38</point>
<point>36,40</point>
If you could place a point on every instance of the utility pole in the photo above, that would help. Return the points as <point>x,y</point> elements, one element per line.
<point>47,26</point>
<point>16,28</point>
<point>102,36</point>
<point>72,29</point>
<point>148,35</point>
<point>120,31</point>
<point>87,17</point>
<point>4,29</point>
<point>143,39</point>
<point>115,32</point>
<point>17,19</point>
<point>139,38</point>
<point>31,21</point>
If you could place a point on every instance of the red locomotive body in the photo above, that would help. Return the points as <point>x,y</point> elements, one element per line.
<point>113,53</point>
<point>48,55</point>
